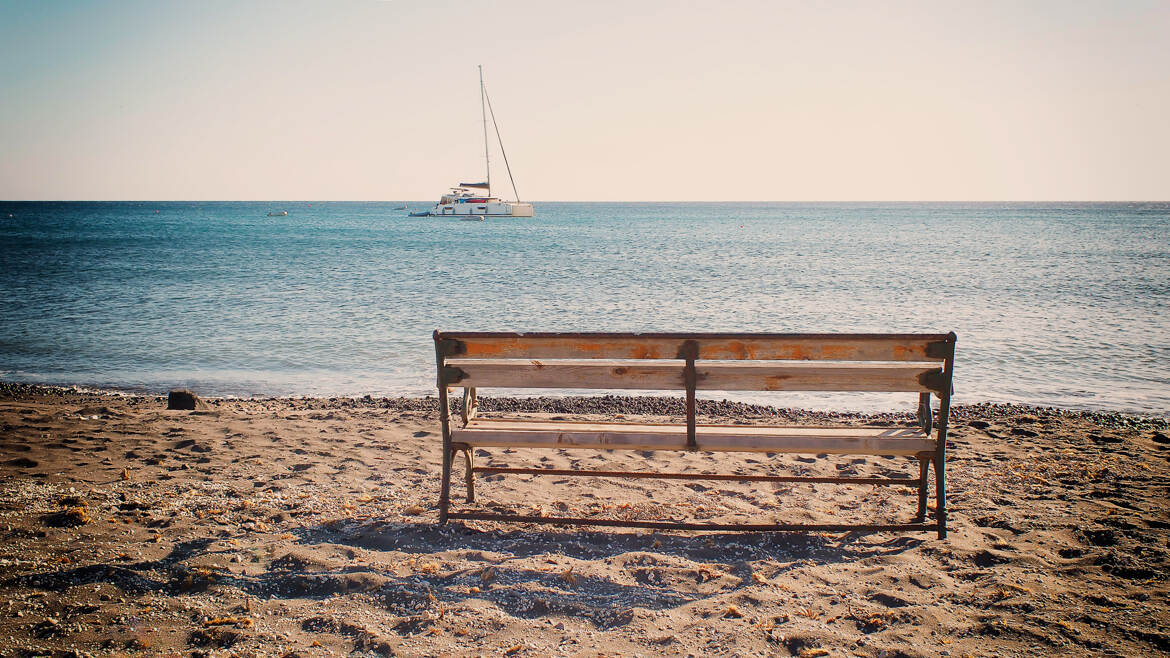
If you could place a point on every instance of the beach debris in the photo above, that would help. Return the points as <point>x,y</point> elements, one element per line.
<point>47,628</point>
<point>214,637</point>
<point>68,518</point>
<point>238,622</point>
<point>876,621</point>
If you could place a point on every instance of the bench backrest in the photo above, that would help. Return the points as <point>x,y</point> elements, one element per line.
<point>703,361</point>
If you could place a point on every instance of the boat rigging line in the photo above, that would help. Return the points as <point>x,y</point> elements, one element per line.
<point>484,97</point>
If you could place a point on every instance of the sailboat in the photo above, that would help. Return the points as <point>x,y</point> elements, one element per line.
<point>474,200</point>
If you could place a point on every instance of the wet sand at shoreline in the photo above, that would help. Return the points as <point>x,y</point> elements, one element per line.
<point>308,527</point>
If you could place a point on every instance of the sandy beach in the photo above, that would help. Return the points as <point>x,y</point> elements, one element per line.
<point>304,527</point>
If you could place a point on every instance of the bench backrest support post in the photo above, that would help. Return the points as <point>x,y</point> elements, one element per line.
<point>690,352</point>
<point>944,412</point>
<point>925,414</point>
<point>442,346</point>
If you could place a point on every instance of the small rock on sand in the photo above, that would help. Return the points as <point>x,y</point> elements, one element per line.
<point>182,399</point>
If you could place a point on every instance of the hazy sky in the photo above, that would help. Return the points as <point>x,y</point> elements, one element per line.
<point>625,100</point>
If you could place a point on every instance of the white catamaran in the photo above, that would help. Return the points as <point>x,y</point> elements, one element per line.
<point>464,201</point>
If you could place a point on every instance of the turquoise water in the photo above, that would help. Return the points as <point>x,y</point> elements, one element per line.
<point>1055,304</point>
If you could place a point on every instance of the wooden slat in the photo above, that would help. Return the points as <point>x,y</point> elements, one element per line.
<point>564,373</point>
<point>677,525</point>
<point>815,376</point>
<point>618,436</point>
<point>538,424</point>
<point>712,376</point>
<point>842,347</point>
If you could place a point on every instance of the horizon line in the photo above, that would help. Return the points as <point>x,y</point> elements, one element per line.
<point>594,201</point>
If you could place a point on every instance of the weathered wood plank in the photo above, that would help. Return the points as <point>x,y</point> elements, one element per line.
<point>676,525</point>
<point>602,436</point>
<point>566,373</point>
<point>842,347</point>
<point>537,424</point>
<point>668,375</point>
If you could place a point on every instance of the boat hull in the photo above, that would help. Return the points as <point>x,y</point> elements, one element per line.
<point>492,209</point>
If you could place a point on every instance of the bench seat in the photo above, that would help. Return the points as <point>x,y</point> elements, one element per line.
<point>511,433</point>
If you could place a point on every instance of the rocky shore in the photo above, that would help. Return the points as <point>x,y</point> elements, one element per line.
<point>303,527</point>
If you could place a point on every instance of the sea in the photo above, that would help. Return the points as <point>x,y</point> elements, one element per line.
<point>1054,304</point>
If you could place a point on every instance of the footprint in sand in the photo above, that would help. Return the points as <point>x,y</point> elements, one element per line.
<point>888,600</point>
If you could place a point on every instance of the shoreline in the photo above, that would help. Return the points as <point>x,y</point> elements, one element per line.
<point>655,405</point>
<point>307,527</point>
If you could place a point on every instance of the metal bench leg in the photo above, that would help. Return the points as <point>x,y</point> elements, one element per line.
<point>445,486</point>
<point>923,473</point>
<point>442,348</point>
<point>940,503</point>
<point>469,461</point>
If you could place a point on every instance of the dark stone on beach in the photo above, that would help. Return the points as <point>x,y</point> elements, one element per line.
<point>183,399</point>
<point>1159,437</point>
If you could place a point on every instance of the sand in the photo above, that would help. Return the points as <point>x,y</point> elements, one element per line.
<point>308,527</point>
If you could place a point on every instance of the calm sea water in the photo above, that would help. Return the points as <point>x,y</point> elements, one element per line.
<point>1055,304</point>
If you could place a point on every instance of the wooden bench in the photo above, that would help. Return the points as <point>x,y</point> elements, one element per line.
<point>911,363</point>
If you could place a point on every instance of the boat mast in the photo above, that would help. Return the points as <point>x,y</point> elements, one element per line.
<point>483,112</point>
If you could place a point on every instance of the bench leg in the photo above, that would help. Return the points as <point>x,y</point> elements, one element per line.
<point>469,461</point>
<point>940,495</point>
<point>923,473</point>
<point>445,485</point>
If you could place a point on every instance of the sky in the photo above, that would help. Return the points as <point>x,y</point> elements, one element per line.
<point>596,101</point>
